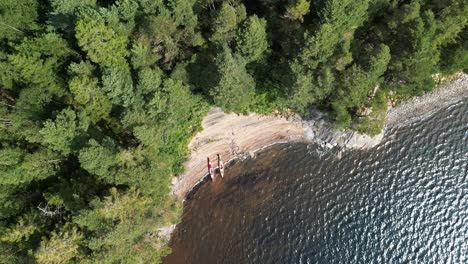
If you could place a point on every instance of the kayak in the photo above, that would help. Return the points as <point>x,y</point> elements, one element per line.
<point>220,167</point>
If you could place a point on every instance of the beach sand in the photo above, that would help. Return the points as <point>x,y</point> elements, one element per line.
<point>232,136</point>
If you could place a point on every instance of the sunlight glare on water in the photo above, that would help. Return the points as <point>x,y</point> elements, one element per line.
<point>405,201</point>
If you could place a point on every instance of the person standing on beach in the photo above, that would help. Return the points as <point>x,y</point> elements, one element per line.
<point>210,169</point>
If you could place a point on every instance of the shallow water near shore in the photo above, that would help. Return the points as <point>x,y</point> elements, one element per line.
<point>405,200</point>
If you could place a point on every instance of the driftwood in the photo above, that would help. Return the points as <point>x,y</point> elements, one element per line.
<point>51,211</point>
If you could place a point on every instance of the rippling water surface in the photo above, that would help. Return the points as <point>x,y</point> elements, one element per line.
<point>405,201</point>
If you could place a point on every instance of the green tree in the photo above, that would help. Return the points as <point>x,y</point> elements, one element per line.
<point>183,14</point>
<point>142,55</point>
<point>17,18</point>
<point>6,72</point>
<point>121,227</point>
<point>338,19</point>
<point>101,43</point>
<point>23,230</point>
<point>161,32</point>
<point>171,32</point>
<point>297,9</point>
<point>451,19</point>
<point>64,133</point>
<point>149,80</point>
<point>120,16</point>
<point>37,61</point>
<point>10,156</point>
<point>225,23</point>
<point>89,97</point>
<point>127,9</point>
<point>235,90</point>
<point>118,85</point>
<point>414,53</point>
<point>344,15</point>
<point>62,247</point>
<point>36,82</point>
<point>69,6</point>
<point>252,39</point>
<point>99,159</point>
<point>356,83</point>
<point>63,15</point>
<point>299,95</point>
<point>123,207</point>
<point>454,57</point>
<point>151,7</point>
<point>319,47</point>
<point>22,168</point>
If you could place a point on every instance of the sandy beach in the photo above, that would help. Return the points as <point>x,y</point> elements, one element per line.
<point>232,136</point>
<point>240,136</point>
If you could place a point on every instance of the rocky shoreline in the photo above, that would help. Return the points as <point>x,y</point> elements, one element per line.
<point>238,137</point>
<point>421,106</point>
<point>319,129</point>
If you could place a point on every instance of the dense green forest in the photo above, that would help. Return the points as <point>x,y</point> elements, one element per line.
<point>99,98</point>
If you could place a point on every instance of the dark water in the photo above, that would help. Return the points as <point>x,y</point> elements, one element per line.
<point>405,201</point>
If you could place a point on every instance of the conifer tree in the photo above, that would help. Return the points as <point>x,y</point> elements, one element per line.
<point>90,98</point>
<point>64,133</point>
<point>252,38</point>
<point>101,43</point>
<point>225,23</point>
<point>18,18</point>
<point>235,89</point>
<point>297,9</point>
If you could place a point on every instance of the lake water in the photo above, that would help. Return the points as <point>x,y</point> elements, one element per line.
<point>405,201</point>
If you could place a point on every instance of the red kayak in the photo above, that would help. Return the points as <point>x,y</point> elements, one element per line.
<point>210,169</point>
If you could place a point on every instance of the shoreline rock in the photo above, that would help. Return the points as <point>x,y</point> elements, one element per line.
<point>241,136</point>
<point>320,129</point>
<point>316,128</point>
<point>425,105</point>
